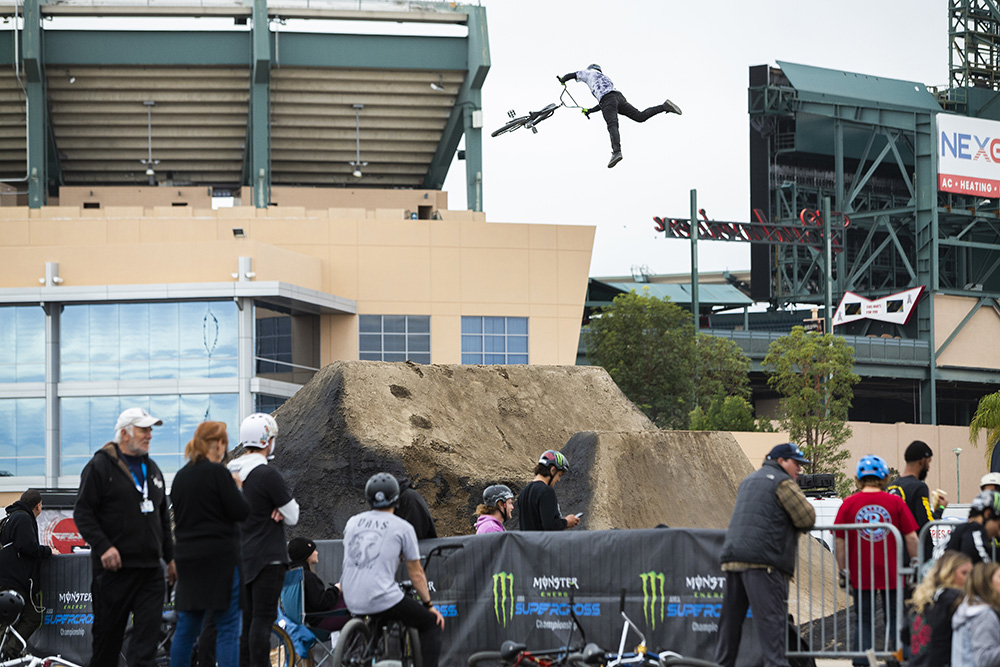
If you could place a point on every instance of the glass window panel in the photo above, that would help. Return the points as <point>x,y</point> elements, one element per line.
<point>517,325</point>
<point>495,344</point>
<point>74,334</point>
<point>517,344</point>
<point>493,325</point>
<point>418,324</point>
<point>472,325</point>
<point>394,323</point>
<point>227,347</point>
<point>394,343</point>
<point>73,465</point>
<point>420,358</point>
<point>472,344</point>
<point>371,356</point>
<point>104,333</point>
<point>517,358</point>
<point>369,323</point>
<point>370,343</point>
<point>472,358</point>
<point>8,427</point>
<point>394,356</point>
<point>22,436</point>
<point>495,359</point>
<point>164,343</point>
<point>418,343</point>
<point>134,337</point>
<point>30,427</point>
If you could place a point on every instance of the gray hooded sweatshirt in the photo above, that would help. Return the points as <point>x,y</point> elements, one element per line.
<point>976,636</point>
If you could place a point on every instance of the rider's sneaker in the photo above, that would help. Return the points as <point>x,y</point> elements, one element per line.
<point>670,107</point>
<point>616,157</point>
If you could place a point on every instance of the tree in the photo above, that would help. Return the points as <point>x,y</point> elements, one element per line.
<point>646,346</point>
<point>725,413</point>
<point>650,349</point>
<point>987,418</point>
<point>814,374</point>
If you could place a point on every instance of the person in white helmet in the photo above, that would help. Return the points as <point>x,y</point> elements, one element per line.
<point>990,482</point>
<point>611,103</point>
<point>265,555</point>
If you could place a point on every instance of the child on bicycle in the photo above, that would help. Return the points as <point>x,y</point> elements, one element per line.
<point>612,103</point>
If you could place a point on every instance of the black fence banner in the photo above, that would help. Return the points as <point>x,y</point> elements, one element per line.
<point>513,585</point>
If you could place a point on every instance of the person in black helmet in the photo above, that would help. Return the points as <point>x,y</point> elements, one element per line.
<point>611,103</point>
<point>537,504</point>
<point>374,543</point>
<point>497,507</point>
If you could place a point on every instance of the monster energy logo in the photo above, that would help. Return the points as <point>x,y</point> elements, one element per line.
<point>653,584</point>
<point>503,597</point>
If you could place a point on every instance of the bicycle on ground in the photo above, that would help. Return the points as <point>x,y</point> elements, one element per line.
<point>10,611</point>
<point>535,117</point>
<point>369,640</point>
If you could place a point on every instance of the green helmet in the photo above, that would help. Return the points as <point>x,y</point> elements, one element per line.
<point>551,457</point>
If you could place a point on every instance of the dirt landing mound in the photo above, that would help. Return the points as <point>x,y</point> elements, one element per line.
<point>684,479</point>
<point>452,429</point>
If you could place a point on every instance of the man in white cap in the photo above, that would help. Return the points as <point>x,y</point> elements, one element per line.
<point>265,554</point>
<point>121,511</point>
<point>990,482</point>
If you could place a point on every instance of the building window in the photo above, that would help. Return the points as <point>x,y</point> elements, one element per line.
<point>494,340</point>
<point>88,423</point>
<point>286,345</point>
<point>395,338</point>
<point>149,341</point>
<point>22,437</point>
<point>22,338</point>
<point>267,403</point>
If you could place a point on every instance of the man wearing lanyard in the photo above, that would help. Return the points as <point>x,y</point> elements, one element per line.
<point>121,511</point>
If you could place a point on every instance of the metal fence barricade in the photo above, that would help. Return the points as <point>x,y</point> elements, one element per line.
<point>940,532</point>
<point>838,622</point>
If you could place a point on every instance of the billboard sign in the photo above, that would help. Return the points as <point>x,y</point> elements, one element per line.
<point>895,308</point>
<point>968,151</point>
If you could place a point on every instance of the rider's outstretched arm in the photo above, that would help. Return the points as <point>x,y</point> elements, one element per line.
<point>568,77</point>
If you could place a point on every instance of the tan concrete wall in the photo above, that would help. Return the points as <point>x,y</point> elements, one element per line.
<point>391,266</point>
<point>974,345</point>
<point>890,441</point>
<point>146,197</point>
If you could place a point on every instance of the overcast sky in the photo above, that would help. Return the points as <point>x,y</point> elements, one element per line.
<point>698,55</point>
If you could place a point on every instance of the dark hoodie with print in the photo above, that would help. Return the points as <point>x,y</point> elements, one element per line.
<point>108,511</point>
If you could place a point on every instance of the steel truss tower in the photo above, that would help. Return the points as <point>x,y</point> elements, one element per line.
<point>869,144</point>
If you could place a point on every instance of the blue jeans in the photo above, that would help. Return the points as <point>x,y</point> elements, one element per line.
<point>862,622</point>
<point>228,623</point>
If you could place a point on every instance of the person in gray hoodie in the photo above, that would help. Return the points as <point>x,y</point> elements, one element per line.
<point>976,624</point>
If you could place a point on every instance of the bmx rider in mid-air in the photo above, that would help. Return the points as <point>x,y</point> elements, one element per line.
<point>612,103</point>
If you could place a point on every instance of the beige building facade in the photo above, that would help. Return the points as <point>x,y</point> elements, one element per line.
<point>200,313</point>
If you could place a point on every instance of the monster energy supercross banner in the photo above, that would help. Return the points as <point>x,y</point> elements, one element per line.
<point>511,585</point>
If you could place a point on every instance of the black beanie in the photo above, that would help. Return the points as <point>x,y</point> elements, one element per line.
<point>300,549</point>
<point>918,451</point>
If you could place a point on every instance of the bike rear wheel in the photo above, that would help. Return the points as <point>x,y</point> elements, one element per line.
<point>352,644</point>
<point>486,659</point>
<point>282,649</point>
<point>511,125</point>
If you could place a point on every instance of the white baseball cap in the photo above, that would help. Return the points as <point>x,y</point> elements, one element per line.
<point>134,417</point>
<point>990,478</point>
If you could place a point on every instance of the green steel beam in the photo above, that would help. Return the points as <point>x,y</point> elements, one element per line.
<point>114,47</point>
<point>34,68</point>
<point>372,51</point>
<point>260,99</point>
<point>466,117</point>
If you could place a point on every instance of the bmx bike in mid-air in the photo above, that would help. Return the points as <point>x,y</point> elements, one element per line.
<point>535,117</point>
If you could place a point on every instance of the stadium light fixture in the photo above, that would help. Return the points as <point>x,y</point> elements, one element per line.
<point>357,164</point>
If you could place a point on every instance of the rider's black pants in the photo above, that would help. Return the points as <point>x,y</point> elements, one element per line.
<point>415,615</point>
<point>613,104</point>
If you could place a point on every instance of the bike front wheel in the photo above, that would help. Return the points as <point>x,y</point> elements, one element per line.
<point>511,125</point>
<point>486,659</point>
<point>352,644</point>
<point>409,648</point>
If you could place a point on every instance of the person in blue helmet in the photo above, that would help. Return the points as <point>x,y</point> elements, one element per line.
<point>867,558</point>
<point>611,103</point>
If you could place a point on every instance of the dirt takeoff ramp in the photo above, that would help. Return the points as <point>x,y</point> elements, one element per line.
<point>452,429</point>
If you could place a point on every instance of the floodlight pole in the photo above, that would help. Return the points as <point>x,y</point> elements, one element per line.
<point>694,259</point>
<point>828,265</point>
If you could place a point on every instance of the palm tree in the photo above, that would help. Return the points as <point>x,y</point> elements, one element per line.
<point>987,418</point>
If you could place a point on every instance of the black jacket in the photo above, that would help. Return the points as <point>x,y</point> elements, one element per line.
<point>108,511</point>
<point>412,507</point>
<point>318,598</point>
<point>538,508</point>
<point>21,554</point>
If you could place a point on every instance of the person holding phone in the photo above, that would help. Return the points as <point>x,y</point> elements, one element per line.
<point>537,504</point>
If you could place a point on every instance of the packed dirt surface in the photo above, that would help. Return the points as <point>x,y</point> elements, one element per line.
<point>453,430</point>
